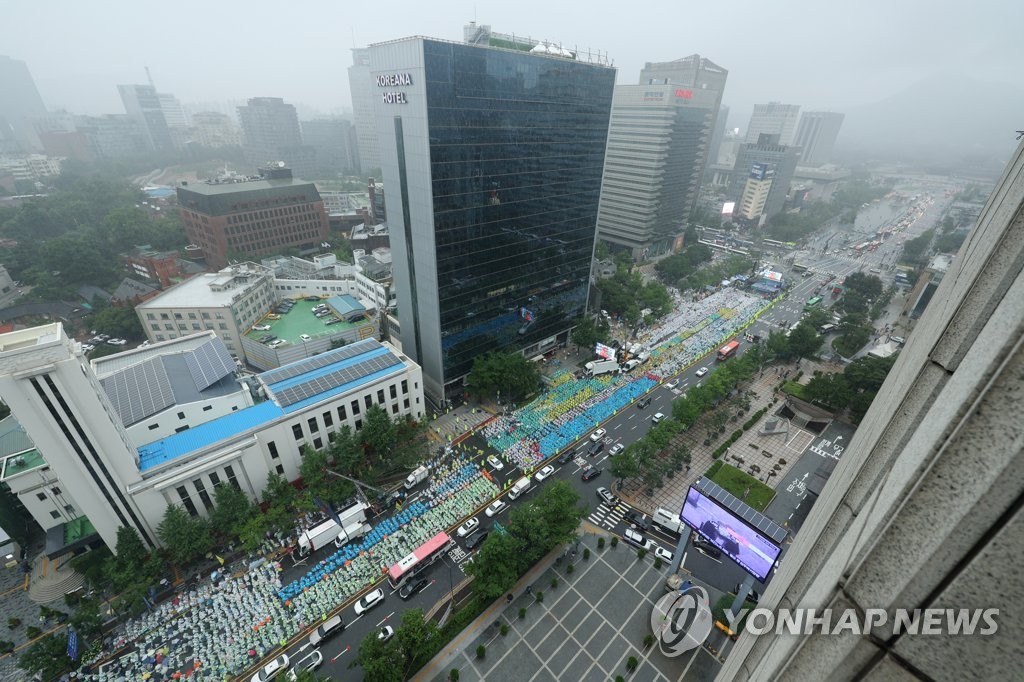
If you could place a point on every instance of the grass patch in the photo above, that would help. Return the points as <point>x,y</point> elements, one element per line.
<point>713,469</point>
<point>737,482</point>
<point>795,389</point>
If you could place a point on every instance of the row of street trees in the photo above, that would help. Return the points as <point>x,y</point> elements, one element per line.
<point>533,530</point>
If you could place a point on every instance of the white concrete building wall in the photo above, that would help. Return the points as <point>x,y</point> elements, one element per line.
<point>181,417</point>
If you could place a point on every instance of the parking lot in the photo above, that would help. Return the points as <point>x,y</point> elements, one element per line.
<point>586,628</point>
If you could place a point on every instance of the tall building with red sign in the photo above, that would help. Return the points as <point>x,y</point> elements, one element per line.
<point>658,146</point>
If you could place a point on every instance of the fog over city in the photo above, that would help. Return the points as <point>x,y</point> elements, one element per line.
<point>913,77</point>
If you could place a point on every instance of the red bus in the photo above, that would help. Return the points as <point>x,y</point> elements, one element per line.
<point>728,350</point>
<point>421,557</point>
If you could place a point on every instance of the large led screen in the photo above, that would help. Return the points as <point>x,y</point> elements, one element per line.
<point>754,553</point>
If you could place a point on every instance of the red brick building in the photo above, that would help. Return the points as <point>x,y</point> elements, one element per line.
<point>252,218</point>
<point>159,266</point>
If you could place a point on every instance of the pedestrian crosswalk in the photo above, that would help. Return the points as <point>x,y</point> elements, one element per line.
<point>606,516</point>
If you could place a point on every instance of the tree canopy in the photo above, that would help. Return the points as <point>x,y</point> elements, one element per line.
<point>501,374</point>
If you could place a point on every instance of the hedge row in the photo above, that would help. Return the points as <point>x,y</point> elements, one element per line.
<point>736,434</point>
<point>713,469</point>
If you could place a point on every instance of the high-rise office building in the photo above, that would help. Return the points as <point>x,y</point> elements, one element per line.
<point>779,158</point>
<point>333,140</point>
<point>718,134</point>
<point>816,136</point>
<point>755,193</point>
<point>773,119</point>
<point>19,104</point>
<point>174,113</point>
<point>492,159</point>
<point>270,132</point>
<point>360,84</point>
<point>142,104</point>
<point>658,146</point>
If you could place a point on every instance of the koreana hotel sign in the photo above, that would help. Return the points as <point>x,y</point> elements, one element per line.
<point>392,80</point>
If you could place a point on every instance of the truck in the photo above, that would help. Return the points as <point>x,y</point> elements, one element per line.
<point>728,350</point>
<point>418,474</point>
<point>599,367</point>
<point>630,365</point>
<point>318,536</point>
<point>353,524</point>
<point>666,520</point>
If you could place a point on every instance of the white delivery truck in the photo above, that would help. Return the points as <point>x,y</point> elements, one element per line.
<point>521,486</point>
<point>318,536</point>
<point>666,520</point>
<point>418,474</point>
<point>630,364</point>
<point>599,367</point>
<point>353,524</point>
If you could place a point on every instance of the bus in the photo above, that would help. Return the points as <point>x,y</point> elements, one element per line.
<point>728,350</point>
<point>812,302</point>
<point>421,557</point>
<point>774,243</point>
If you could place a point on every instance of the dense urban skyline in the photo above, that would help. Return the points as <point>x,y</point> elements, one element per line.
<point>798,54</point>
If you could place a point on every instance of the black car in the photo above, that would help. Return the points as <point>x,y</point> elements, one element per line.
<point>595,448</point>
<point>475,540</point>
<point>413,587</point>
<point>643,403</point>
<point>591,473</point>
<point>706,548</point>
<point>638,520</point>
<point>566,457</point>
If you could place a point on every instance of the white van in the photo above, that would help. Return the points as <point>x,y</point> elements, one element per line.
<point>521,486</point>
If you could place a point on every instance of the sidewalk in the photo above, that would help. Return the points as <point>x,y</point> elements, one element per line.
<point>763,451</point>
<point>442,662</point>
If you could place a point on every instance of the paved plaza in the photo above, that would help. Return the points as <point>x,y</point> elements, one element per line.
<point>585,629</point>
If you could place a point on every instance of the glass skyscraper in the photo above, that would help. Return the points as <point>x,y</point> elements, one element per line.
<point>492,160</point>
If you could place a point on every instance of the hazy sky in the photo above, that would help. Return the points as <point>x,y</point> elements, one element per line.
<point>819,54</point>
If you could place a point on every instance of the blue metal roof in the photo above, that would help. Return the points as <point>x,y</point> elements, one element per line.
<point>345,304</point>
<point>327,369</point>
<point>343,388</point>
<point>170,448</point>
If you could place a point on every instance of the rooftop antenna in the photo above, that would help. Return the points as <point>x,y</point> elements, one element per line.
<point>149,78</point>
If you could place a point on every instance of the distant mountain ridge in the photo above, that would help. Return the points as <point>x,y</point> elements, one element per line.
<point>939,119</point>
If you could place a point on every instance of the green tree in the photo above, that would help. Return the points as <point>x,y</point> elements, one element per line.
<point>231,510</point>
<point>87,619</point>
<point>416,639</point>
<point>588,332</point>
<point>48,657</point>
<point>829,389</point>
<point>185,537</point>
<point>508,375</point>
<point>378,433</point>
<point>381,661</point>
<point>125,567</point>
<point>496,566</point>
<point>804,341</point>
<point>550,519</point>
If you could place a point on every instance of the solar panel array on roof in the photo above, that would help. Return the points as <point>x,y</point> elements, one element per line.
<point>209,363</point>
<point>318,361</point>
<point>139,391</point>
<point>754,518</point>
<point>333,379</point>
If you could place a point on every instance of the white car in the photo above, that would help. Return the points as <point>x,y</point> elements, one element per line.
<point>261,327</point>
<point>468,527</point>
<point>658,416</point>
<point>544,473</point>
<point>117,342</point>
<point>672,384</point>
<point>702,371</point>
<point>305,337</point>
<point>311,661</point>
<point>663,554</point>
<point>86,347</point>
<point>495,462</point>
<point>597,435</point>
<point>496,508</point>
<point>368,601</point>
<point>273,669</point>
<point>386,633</point>
<point>616,449</point>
